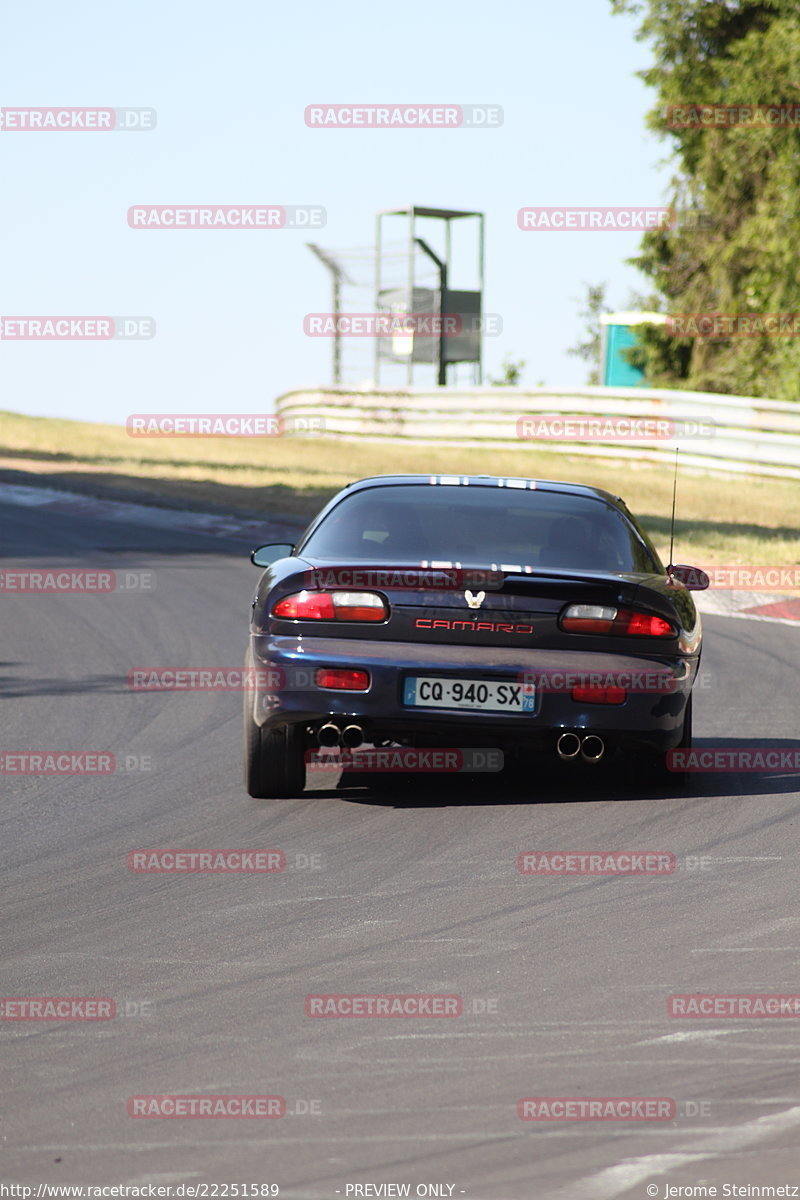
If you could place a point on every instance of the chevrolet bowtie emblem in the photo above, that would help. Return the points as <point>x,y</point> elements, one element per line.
<point>474,601</point>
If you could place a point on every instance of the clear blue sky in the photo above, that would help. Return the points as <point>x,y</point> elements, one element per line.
<point>230,84</point>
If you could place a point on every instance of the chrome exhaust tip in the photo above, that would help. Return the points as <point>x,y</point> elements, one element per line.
<point>568,745</point>
<point>592,748</point>
<point>352,736</point>
<point>328,735</point>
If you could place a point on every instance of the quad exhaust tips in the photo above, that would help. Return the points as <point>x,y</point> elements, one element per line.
<point>591,748</point>
<point>330,735</point>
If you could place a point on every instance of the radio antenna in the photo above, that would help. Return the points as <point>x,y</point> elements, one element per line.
<point>672,523</point>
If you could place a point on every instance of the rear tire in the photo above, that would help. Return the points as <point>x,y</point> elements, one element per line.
<point>659,771</point>
<point>682,777</point>
<point>274,763</point>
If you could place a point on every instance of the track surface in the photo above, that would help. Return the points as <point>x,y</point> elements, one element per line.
<point>413,891</point>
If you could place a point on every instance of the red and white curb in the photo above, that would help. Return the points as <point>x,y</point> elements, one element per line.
<point>752,606</point>
<point>782,609</point>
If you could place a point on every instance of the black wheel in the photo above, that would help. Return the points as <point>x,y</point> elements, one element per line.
<point>659,772</point>
<point>682,777</point>
<point>274,763</point>
<point>686,736</point>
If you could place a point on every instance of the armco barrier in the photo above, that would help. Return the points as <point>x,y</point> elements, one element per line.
<point>760,437</point>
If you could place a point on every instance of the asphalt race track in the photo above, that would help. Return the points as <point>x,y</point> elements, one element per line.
<point>414,889</point>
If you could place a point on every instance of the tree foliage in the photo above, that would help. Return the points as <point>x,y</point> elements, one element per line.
<point>745,180</point>
<point>512,373</point>
<point>594,305</point>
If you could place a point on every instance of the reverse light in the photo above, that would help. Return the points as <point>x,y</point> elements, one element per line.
<point>332,606</point>
<point>588,618</point>
<point>359,606</point>
<point>603,619</point>
<point>342,679</point>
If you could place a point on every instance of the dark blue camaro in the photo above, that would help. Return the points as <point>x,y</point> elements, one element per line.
<point>462,611</point>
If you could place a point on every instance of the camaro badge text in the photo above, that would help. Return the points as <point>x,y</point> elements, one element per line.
<point>471,626</point>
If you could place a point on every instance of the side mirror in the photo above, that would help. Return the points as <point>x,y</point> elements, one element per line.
<point>265,556</point>
<point>692,578</point>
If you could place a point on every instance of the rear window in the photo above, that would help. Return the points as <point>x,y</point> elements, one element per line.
<point>479,526</point>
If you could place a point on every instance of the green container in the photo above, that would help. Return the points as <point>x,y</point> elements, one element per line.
<point>619,333</point>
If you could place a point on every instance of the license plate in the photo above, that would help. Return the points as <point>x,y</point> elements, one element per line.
<point>479,695</point>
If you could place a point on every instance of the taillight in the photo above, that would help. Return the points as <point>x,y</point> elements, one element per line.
<point>599,695</point>
<point>641,624</point>
<point>332,606</point>
<point>343,679</point>
<point>306,606</point>
<point>599,618</point>
<point>588,618</point>
<point>359,606</point>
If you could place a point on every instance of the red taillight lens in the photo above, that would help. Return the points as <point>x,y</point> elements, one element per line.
<point>343,679</point>
<point>598,618</point>
<point>641,624</point>
<point>599,695</point>
<point>306,606</point>
<point>332,606</point>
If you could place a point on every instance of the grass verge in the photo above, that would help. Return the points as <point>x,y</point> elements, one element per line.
<point>721,519</point>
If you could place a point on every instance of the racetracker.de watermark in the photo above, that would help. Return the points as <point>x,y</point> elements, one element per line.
<point>401,324</point>
<point>557,427</point>
<point>732,116</point>
<point>742,759</point>
<point>195,862</point>
<point>72,762</point>
<point>468,760</point>
<point>76,329</point>
<point>751,578</point>
<point>270,678</point>
<point>57,581</point>
<point>596,1108</point>
<point>171,1107</point>
<point>612,686</point>
<point>734,1005</point>
<point>239,425</point>
<point>403,116</point>
<point>226,216</point>
<point>721,326</point>
<point>694,220</point>
<point>412,579</point>
<point>361,1005</point>
<point>77,120</point>
<point>615,219</point>
<point>57,1008</point>
<point>596,862</point>
<point>206,679</point>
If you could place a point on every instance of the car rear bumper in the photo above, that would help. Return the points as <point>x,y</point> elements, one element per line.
<point>651,714</point>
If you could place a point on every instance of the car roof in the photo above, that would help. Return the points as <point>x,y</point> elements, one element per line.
<point>504,481</point>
